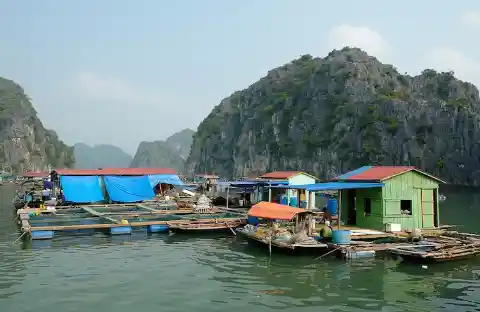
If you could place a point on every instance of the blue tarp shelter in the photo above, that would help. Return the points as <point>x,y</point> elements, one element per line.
<point>165,178</point>
<point>128,189</point>
<point>81,189</point>
<point>332,186</point>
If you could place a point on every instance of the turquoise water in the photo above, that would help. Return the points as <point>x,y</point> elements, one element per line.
<point>215,273</point>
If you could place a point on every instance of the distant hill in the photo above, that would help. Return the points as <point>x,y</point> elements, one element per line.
<point>100,156</point>
<point>170,153</point>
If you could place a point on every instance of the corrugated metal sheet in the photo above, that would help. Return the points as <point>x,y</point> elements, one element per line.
<point>342,186</point>
<point>334,186</point>
<point>252,183</point>
<point>294,187</point>
<point>115,171</point>
<point>279,174</point>
<point>35,174</point>
<point>347,175</point>
<point>274,211</point>
<point>380,173</point>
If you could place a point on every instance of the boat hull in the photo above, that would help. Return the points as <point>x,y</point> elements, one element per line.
<point>18,205</point>
<point>198,228</point>
<point>286,248</point>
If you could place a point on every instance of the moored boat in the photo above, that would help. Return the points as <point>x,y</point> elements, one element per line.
<point>292,235</point>
<point>206,227</point>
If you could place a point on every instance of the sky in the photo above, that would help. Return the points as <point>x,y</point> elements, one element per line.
<point>121,72</point>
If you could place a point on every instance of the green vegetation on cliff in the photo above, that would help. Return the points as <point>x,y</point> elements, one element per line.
<point>24,143</point>
<point>329,115</point>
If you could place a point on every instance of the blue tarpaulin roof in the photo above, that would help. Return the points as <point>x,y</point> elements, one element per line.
<point>81,189</point>
<point>342,186</point>
<point>246,184</point>
<point>128,189</point>
<point>349,174</point>
<point>332,186</point>
<point>165,178</point>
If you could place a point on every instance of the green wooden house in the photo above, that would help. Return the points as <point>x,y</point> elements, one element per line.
<point>407,196</point>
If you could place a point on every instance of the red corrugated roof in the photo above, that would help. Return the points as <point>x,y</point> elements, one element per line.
<point>381,173</point>
<point>279,174</point>
<point>268,210</point>
<point>35,174</point>
<point>116,171</point>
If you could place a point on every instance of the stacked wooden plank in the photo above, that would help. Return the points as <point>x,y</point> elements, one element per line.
<point>447,247</point>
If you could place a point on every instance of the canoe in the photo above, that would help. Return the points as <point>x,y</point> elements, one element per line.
<point>205,227</point>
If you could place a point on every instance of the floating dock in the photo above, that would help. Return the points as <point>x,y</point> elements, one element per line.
<point>115,219</point>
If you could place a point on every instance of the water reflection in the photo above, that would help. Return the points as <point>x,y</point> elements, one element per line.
<point>12,260</point>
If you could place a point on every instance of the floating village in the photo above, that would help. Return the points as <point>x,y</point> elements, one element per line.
<point>373,211</point>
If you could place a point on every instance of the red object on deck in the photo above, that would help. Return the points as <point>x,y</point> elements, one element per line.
<point>35,174</point>
<point>114,171</point>
<point>268,210</point>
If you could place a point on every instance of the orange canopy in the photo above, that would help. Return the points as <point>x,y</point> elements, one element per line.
<point>268,210</point>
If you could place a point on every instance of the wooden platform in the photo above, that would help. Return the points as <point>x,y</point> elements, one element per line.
<point>114,217</point>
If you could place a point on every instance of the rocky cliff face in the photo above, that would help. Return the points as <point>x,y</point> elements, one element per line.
<point>170,153</point>
<point>333,114</point>
<point>181,142</point>
<point>24,143</point>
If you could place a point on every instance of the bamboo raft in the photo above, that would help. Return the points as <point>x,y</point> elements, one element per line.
<point>447,247</point>
<point>42,223</point>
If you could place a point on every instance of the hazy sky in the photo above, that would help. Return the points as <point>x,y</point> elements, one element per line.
<point>121,72</point>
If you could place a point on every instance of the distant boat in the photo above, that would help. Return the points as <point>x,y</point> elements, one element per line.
<point>442,197</point>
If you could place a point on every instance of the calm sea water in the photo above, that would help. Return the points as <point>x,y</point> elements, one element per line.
<point>178,273</point>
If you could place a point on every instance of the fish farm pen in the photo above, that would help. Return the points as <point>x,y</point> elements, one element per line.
<point>116,219</point>
<point>371,211</point>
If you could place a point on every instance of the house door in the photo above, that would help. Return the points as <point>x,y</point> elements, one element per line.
<point>351,207</point>
<point>427,208</point>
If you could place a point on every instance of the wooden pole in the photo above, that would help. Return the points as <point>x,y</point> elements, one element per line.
<point>270,239</point>
<point>228,191</point>
<point>111,225</point>
<point>339,208</point>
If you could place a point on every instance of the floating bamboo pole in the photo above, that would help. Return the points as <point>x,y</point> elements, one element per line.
<point>152,210</point>
<point>100,215</point>
<point>111,225</point>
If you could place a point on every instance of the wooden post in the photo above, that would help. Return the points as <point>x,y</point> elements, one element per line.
<point>288,197</point>
<point>270,238</point>
<point>228,191</point>
<point>309,200</point>
<point>339,208</point>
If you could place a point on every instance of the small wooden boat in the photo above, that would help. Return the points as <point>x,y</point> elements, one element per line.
<point>270,235</point>
<point>206,227</point>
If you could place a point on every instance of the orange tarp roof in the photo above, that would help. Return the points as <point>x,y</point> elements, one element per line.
<point>274,211</point>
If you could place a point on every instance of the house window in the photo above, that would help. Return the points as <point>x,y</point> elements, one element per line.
<point>406,207</point>
<point>367,206</point>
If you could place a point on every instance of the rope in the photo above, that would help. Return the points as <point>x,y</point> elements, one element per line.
<point>328,253</point>
<point>23,234</point>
